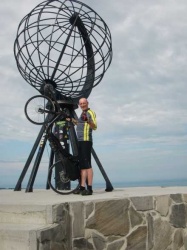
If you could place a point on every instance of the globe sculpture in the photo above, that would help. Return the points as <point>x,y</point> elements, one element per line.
<point>66,46</point>
<point>65,43</point>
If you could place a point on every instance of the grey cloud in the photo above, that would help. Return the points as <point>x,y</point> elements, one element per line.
<point>142,97</point>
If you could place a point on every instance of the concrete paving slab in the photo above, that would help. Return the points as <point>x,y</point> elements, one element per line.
<point>14,213</point>
<point>19,236</point>
<point>49,197</point>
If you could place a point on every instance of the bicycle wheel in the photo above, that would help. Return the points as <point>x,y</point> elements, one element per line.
<point>39,109</point>
<point>58,179</point>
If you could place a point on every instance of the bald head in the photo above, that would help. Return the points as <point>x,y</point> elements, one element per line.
<point>83,103</point>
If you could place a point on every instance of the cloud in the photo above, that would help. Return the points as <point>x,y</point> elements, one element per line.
<point>141,101</point>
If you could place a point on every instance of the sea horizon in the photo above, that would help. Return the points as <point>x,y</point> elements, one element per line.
<point>120,184</point>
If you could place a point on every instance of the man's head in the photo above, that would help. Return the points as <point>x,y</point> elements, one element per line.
<point>83,103</point>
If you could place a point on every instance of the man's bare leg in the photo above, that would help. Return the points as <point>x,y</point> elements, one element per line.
<point>90,176</point>
<point>83,177</point>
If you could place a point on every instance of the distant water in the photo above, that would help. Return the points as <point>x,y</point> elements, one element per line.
<point>160,183</point>
<point>153,183</point>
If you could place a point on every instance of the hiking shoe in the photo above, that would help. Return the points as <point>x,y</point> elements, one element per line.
<point>87,192</point>
<point>78,191</point>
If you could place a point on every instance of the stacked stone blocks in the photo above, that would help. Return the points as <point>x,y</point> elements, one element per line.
<point>137,223</point>
<point>129,223</point>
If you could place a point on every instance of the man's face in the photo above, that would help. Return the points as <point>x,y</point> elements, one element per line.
<point>83,103</point>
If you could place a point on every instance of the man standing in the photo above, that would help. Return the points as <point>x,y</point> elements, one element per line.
<point>85,125</point>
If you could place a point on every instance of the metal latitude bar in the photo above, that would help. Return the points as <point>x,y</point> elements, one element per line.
<point>62,52</point>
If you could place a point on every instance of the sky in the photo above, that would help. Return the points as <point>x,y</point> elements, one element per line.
<point>140,103</point>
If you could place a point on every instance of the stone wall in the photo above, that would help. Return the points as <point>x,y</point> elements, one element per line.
<point>134,223</point>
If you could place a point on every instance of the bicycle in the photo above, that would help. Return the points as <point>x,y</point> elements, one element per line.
<point>40,110</point>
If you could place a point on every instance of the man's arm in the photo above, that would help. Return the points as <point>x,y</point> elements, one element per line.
<point>92,124</point>
<point>92,120</point>
<point>75,122</point>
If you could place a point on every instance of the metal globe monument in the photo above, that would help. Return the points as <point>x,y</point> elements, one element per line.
<point>65,42</point>
<point>62,49</point>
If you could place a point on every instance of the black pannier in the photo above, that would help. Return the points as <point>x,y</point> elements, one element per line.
<point>70,162</point>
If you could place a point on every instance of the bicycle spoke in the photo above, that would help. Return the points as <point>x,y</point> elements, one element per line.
<point>39,109</point>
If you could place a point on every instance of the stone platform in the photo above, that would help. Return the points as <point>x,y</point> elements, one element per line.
<point>143,218</point>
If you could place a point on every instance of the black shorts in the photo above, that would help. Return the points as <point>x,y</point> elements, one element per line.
<point>84,148</point>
